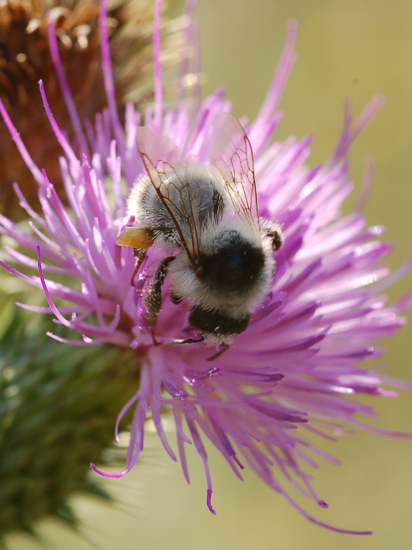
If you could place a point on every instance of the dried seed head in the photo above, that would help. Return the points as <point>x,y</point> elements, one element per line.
<point>25,59</point>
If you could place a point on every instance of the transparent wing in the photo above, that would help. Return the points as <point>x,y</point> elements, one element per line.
<point>161,157</point>
<point>230,151</point>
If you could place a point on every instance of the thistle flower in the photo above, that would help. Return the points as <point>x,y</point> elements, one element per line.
<point>44,450</point>
<point>291,371</point>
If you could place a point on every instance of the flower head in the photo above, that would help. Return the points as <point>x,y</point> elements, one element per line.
<point>289,372</point>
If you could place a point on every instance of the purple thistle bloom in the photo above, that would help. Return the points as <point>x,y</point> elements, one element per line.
<point>289,373</point>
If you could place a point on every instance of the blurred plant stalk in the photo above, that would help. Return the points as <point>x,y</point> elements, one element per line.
<point>57,402</point>
<point>56,414</point>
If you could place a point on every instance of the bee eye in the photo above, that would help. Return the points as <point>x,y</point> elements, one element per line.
<point>275,233</point>
<point>277,241</point>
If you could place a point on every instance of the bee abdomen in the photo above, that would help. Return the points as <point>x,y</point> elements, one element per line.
<point>212,322</point>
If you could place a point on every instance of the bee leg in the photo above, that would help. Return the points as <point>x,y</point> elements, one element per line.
<point>153,298</point>
<point>189,341</point>
<point>219,353</point>
<point>139,254</point>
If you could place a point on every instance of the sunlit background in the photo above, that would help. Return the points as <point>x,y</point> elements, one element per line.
<point>354,49</point>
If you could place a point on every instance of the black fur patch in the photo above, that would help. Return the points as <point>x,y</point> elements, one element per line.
<point>233,267</point>
<point>212,322</point>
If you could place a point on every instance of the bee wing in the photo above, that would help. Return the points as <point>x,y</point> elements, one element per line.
<point>160,156</point>
<point>231,152</point>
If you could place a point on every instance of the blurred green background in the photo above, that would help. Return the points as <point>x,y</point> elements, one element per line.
<point>352,48</point>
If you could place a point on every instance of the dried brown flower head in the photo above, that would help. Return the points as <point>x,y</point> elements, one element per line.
<point>25,59</point>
